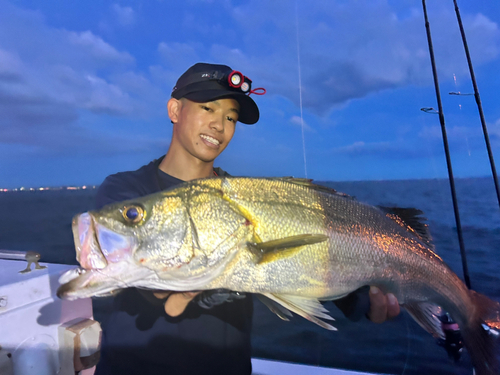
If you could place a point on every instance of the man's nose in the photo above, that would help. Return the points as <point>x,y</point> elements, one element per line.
<point>217,123</point>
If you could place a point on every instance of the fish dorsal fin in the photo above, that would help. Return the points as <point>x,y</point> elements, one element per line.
<point>309,308</point>
<point>309,183</point>
<point>411,219</point>
<point>269,250</point>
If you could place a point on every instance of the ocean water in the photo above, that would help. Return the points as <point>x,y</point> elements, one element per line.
<point>41,221</point>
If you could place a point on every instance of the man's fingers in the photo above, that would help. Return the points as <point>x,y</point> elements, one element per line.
<point>177,303</point>
<point>392,306</point>
<point>162,295</point>
<point>378,305</point>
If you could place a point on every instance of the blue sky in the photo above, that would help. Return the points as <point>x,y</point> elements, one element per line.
<point>83,85</point>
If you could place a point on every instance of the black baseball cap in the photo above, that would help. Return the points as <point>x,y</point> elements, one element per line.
<point>207,82</point>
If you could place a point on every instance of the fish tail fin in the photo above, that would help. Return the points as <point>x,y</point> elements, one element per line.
<point>481,333</point>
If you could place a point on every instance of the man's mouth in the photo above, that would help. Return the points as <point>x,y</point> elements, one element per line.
<point>210,139</point>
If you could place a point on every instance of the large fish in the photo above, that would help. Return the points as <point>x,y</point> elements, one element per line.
<point>293,242</point>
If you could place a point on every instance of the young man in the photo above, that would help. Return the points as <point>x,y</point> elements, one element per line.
<point>146,334</point>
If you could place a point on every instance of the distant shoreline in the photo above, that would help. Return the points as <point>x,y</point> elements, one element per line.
<point>93,187</point>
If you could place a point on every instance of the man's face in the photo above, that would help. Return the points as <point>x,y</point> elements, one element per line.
<point>204,129</point>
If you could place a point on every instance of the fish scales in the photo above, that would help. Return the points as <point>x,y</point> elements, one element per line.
<point>290,221</point>
<point>348,224</point>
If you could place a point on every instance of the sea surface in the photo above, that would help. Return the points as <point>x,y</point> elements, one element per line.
<point>41,221</point>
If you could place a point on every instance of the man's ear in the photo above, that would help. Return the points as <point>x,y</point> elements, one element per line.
<point>174,107</point>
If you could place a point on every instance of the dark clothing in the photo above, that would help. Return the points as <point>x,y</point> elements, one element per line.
<point>140,338</point>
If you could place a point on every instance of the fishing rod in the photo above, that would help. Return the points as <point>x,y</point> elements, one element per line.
<point>446,150</point>
<point>478,101</point>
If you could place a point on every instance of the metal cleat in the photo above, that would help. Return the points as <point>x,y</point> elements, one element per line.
<point>29,256</point>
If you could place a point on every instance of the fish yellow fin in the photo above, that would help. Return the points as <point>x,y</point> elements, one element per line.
<point>271,250</point>
<point>309,308</point>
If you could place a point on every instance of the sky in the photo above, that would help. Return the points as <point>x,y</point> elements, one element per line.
<point>84,86</point>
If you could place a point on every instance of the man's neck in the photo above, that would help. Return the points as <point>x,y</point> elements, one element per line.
<point>185,167</point>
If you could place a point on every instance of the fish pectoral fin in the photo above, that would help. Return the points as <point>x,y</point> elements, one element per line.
<point>309,308</point>
<point>426,315</point>
<point>266,251</point>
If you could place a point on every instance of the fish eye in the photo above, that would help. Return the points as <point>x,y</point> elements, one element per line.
<point>133,214</point>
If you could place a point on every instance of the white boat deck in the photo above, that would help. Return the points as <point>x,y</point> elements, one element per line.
<point>31,317</point>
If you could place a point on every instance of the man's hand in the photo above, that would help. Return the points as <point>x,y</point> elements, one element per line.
<point>176,302</point>
<point>382,306</point>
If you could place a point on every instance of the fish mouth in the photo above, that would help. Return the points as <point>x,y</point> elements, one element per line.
<point>88,251</point>
<point>82,283</point>
<point>97,246</point>
<point>104,256</point>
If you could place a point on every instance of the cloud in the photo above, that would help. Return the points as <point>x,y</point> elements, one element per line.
<point>390,150</point>
<point>297,121</point>
<point>179,55</point>
<point>359,148</point>
<point>97,48</point>
<point>124,15</point>
<point>494,130</point>
<point>107,98</point>
<point>349,50</point>
<point>428,142</point>
<point>50,77</point>
<point>453,133</point>
<point>460,137</point>
<point>11,66</point>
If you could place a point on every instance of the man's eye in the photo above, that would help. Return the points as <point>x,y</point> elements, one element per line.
<point>206,108</point>
<point>231,119</point>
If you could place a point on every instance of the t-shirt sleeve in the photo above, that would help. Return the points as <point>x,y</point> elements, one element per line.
<point>115,189</point>
<point>356,304</point>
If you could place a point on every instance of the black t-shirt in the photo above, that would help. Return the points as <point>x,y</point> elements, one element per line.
<point>140,338</point>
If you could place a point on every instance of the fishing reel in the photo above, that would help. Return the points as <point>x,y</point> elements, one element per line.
<point>452,342</point>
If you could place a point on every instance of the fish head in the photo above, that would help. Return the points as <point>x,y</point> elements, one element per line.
<point>178,239</point>
<point>141,230</point>
<point>125,242</point>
